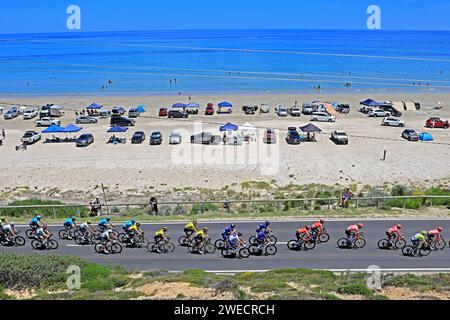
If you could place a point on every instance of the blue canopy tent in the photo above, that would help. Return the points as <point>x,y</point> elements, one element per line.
<point>178,105</point>
<point>94,106</point>
<point>117,129</point>
<point>425,136</point>
<point>53,129</point>
<point>373,103</point>
<point>225,105</point>
<point>71,128</point>
<point>310,130</point>
<point>140,108</point>
<point>229,127</point>
<point>193,105</point>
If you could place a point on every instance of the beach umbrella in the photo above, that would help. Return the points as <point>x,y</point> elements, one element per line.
<point>179,105</point>
<point>229,127</point>
<point>225,104</point>
<point>193,105</point>
<point>141,108</point>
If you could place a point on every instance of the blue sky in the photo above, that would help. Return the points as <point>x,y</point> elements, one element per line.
<point>20,16</point>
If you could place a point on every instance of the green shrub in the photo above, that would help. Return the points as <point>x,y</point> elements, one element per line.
<point>356,288</point>
<point>46,212</point>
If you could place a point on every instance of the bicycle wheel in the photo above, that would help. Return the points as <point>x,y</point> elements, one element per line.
<point>116,248</point>
<point>244,253</point>
<point>424,251</point>
<point>342,243</point>
<point>324,237</point>
<point>383,244</point>
<point>99,247</point>
<point>271,250</point>
<point>183,241</point>
<point>273,239</point>
<point>19,241</point>
<point>52,244</point>
<point>292,245</point>
<point>63,234</point>
<point>224,253</point>
<point>209,247</point>
<point>115,233</point>
<point>254,250</point>
<point>122,237</point>
<point>169,247</point>
<point>360,243</point>
<point>309,245</point>
<point>151,246</point>
<point>36,244</point>
<point>439,245</point>
<point>220,244</point>
<point>142,243</point>
<point>29,233</point>
<point>400,244</point>
<point>408,250</point>
<point>252,240</point>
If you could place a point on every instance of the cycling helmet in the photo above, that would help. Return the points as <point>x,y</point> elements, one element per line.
<point>165,228</point>
<point>133,222</point>
<point>360,225</point>
<point>74,218</point>
<point>233,225</point>
<point>39,217</point>
<point>88,222</point>
<point>267,222</point>
<point>205,229</point>
<point>399,226</point>
<point>138,224</point>
<point>308,227</point>
<point>108,219</point>
<point>2,218</point>
<point>424,232</point>
<point>439,229</point>
<point>322,221</point>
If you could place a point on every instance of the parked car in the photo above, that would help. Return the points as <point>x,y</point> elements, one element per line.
<point>378,113</point>
<point>292,136</point>
<point>393,122</point>
<point>156,138</point>
<point>118,111</point>
<point>177,114</point>
<point>436,122</point>
<point>410,135</point>
<point>339,137</point>
<point>47,122</point>
<point>11,113</point>
<point>295,111</point>
<point>85,119</point>
<point>138,137</point>
<point>204,138</point>
<point>270,136</point>
<point>162,112</point>
<point>249,109</point>
<point>394,112</point>
<point>50,111</point>
<point>134,113</point>
<point>308,108</point>
<point>30,114</point>
<point>175,138</point>
<point>343,108</point>
<point>30,137</point>
<point>322,116</point>
<point>209,111</point>
<point>84,140</point>
<point>121,121</point>
<point>282,111</point>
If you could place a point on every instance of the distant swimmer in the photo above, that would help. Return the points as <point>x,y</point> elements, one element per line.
<point>110,81</point>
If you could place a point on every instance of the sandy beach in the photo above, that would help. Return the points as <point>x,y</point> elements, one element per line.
<point>134,168</point>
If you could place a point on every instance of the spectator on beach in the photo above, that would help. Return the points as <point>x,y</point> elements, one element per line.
<point>3,133</point>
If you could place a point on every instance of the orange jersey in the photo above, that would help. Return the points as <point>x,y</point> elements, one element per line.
<point>393,230</point>
<point>317,225</point>
<point>302,230</point>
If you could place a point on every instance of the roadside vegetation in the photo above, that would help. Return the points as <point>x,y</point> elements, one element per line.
<point>44,277</point>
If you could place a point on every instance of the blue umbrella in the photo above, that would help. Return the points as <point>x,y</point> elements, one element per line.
<point>225,104</point>
<point>193,105</point>
<point>179,105</point>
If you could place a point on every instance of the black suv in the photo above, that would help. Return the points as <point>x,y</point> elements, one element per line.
<point>121,121</point>
<point>177,114</point>
<point>138,137</point>
<point>293,137</point>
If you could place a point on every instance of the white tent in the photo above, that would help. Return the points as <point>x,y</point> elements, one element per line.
<point>247,127</point>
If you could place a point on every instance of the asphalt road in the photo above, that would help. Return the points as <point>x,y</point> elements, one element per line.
<point>324,256</point>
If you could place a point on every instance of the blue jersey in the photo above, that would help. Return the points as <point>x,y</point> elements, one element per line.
<point>34,221</point>
<point>128,224</point>
<point>228,230</point>
<point>103,222</point>
<point>69,221</point>
<point>262,226</point>
<point>261,234</point>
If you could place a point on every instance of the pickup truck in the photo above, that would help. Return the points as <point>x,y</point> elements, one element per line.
<point>47,122</point>
<point>30,137</point>
<point>339,137</point>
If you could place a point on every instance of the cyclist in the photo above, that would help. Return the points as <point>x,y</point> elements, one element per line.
<point>263,226</point>
<point>303,234</point>
<point>107,235</point>
<point>261,237</point>
<point>70,224</point>
<point>36,222</point>
<point>128,224</point>
<point>353,231</point>
<point>8,229</point>
<point>235,241</point>
<point>105,224</point>
<point>394,233</point>
<point>200,237</point>
<point>434,235</point>
<point>191,228</point>
<point>134,230</point>
<point>418,240</point>
<point>317,228</point>
<point>86,228</point>
<point>43,234</point>
<point>160,235</point>
<point>228,231</point>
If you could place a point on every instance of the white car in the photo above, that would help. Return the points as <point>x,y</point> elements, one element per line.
<point>30,114</point>
<point>30,137</point>
<point>282,111</point>
<point>47,122</point>
<point>295,111</point>
<point>175,138</point>
<point>394,122</point>
<point>378,113</point>
<point>85,119</point>
<point>322,116</point>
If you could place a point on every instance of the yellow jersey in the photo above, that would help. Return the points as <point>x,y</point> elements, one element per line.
<point>160,233</point>
<point>133,228</point>
<point>190,225</point>
<point>200,233</point>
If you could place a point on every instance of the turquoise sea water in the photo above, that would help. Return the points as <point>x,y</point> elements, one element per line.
<point>224,61</point>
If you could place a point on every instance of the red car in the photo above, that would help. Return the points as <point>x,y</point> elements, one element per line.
<point>209,111</point>
<point>162,112</point>
<point>270,136</point>
<point>435,122</point>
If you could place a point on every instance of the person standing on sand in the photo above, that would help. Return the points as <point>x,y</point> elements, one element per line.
<point>3,133</point>
<point>153,205</point>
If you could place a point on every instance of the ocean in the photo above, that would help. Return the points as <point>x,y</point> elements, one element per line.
<point>235,61</point>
